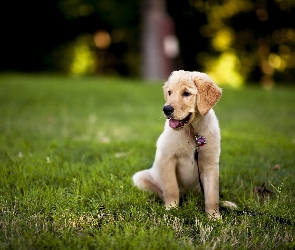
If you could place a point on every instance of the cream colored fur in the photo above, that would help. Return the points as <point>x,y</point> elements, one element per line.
<point>175,170</point>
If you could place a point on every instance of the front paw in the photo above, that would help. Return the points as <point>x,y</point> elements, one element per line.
<point>213,215</point>
<point>170,205</point>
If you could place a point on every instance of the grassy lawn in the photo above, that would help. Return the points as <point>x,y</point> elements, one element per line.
<point>69,147</point>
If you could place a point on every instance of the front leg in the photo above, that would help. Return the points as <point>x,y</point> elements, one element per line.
<point>210,181</point>
<point>168,180</point>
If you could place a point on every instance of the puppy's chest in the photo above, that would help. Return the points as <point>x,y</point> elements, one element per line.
<point>186,147</point>
<point>186,165</point>
<point>187,171</point>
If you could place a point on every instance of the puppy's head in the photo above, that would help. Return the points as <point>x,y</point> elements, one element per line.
<point>187,95</point>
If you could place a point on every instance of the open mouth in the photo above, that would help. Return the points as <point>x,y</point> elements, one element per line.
<point>179,123</point>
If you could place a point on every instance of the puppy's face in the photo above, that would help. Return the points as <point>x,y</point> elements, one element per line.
<point>180,94</point>
<point>187,95</point>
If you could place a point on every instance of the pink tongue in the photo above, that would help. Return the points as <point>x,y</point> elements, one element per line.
<point>173,123</point>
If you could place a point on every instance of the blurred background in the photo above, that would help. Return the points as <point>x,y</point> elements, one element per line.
<point>236,42</point>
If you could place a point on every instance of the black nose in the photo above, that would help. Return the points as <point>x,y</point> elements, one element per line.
<point>168,109</point>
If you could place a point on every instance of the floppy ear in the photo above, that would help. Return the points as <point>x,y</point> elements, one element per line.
<point>208,92</point>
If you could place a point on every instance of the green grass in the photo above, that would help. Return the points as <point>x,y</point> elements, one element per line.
<point>69,147</point>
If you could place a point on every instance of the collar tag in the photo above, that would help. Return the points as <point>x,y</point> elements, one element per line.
<point>200,140</point>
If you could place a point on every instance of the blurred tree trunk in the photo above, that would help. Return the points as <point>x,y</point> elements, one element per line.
<point>158,42</point>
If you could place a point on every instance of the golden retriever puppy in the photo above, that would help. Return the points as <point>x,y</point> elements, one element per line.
<point>187,155</point>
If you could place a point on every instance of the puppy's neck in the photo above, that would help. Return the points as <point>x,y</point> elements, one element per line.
<point>197,124</point>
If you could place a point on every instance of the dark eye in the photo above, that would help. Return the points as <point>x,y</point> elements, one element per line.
<point>185,93</point>
<point>169,92</point>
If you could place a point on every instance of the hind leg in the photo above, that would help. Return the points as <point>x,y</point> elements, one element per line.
<point>144,181</point>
